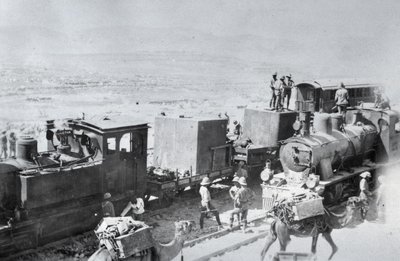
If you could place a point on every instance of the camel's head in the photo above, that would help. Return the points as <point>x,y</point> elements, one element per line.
<point>353,203</point>
<point>184,227</point>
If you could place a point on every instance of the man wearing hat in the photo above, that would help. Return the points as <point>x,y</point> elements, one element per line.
<point>233,192</point>
<point>238,128</point>
<point>3,144</point>
<point>364,192</point>
<point>279,93</point>
<point>272,90</point>
<point>244,199</point>
<point>287,92</point>
<point>342,98</point>
<point>107,206</point>
<point>206,206</point>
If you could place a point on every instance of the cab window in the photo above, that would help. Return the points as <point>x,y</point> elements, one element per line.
<point>111,145</point>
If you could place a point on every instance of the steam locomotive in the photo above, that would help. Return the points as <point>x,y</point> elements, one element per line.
<point>54,194</point>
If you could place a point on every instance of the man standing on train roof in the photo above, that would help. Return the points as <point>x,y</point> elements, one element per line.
<point>364,192</point>
<point>12,141</point>
<point>378,97</point>
<point>137,208</point>
<point>3,144</point>
<point>108,206</point>
<point>287,93</point>
<point>342,98</point>
<point>279,89</point>
<point>272,90</point>
<point>244,199</point>
<point>206,206</point>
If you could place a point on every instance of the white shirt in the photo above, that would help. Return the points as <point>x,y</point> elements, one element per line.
<point>205,195</point>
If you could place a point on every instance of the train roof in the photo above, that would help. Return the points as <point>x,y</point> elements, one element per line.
<point>330,84</point>
<point>106,124</point>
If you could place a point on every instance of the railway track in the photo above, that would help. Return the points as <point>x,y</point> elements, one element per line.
<point>67,245</point>
<point>227,239</point>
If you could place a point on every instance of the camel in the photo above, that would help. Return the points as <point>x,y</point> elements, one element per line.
<point>159,252</point>
<point>311,227</point>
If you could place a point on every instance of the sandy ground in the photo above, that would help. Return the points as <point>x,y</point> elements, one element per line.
<point>377,238</point>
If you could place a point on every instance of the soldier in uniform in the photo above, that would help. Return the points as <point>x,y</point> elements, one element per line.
<point>238,128</point>
<point>137,208</point>
<point>12,141</point>
<point>244,198</point>
<point>108,206</point>
<point>3,144</point>
<point>342,98</point>
<point>206,206</point>
<point>364,193</point>
<point>279,89</point>
<point>272,90</point>
<point>287,92</point>
<point>232,193</point>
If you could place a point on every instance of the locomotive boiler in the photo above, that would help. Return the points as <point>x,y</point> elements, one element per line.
<point>336,149</point>
<point>332,145</point>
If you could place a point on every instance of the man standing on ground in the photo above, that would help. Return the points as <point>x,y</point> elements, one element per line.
<point>272,90</point>
<point>206,206</point>
<point>233,192</point>
<point>364,193</point>
<point>108,206</point>
<point>244,199</point>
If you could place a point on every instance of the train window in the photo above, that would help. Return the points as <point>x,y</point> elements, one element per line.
<point>351,93</point>
<point>111,146</point>
<point>125,143</point>
<point>359,92</point>
<point>310,95</point>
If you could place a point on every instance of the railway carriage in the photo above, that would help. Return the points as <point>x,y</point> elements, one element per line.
<point>319,96</point>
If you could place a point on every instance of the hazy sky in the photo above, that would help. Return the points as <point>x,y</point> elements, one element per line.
<point>314,17</point>
<point>364,31</point>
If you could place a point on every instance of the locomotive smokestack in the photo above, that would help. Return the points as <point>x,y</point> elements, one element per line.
<point>26,148</point>
<point>323,123</point>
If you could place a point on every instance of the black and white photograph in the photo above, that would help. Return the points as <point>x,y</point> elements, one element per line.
<point>196,130</point>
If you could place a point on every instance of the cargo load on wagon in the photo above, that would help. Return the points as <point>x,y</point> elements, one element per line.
<point>124,237</point>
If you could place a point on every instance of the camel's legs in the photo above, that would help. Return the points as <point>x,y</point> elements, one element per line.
<point>314,244</point>
<point>270,240</point>
<point>328,237</point>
